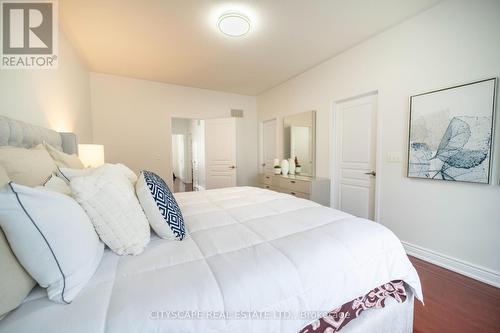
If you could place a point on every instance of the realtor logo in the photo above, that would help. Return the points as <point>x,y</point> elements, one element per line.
<point>29,34</point>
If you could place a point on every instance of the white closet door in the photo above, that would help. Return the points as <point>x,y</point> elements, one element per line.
<point>220,152</point>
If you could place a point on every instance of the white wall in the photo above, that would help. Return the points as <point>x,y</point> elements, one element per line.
<point>452,43</point>
<point>57,99</point>
<point>132,118</point>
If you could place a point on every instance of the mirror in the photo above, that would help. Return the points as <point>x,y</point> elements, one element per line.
<point>299,140</point>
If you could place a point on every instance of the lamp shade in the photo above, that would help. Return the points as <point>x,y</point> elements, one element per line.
<point>91,155</point>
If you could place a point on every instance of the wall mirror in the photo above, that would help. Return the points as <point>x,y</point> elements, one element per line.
<point>299,140</point>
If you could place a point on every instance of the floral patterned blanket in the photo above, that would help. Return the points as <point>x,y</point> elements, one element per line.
<point>335,320</point>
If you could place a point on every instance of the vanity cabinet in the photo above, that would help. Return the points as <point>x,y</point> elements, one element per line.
<point>311,188</point>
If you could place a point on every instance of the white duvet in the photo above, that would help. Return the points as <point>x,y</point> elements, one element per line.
<point>250,253</point>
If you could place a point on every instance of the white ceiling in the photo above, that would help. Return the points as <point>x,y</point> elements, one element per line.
<point>176,41</point>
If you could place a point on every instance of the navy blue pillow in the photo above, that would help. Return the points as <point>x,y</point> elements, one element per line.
<point>166,203</point>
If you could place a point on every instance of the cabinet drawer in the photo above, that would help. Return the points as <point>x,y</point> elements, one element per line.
<point>294,185</point>
<point>296,194</point>
<point>265,179</point>
<point>267,186</point>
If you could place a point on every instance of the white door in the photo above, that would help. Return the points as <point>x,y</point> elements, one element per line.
<point>268,145</point>
<point>220,152</point>
<point>355,147</point>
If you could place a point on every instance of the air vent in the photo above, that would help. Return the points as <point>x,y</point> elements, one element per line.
<point>236,113</point>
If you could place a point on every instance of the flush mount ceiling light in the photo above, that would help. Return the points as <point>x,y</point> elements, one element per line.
<point>234,24</point>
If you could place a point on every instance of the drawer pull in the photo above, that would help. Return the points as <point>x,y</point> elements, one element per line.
<point>267,177</point>
<point>292,193</point>
<point>292,181</point>
<point>267,186</point>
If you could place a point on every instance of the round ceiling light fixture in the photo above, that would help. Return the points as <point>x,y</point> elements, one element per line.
<point>234,24</point>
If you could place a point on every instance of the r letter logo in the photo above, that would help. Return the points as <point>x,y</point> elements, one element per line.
<point>29,34</point>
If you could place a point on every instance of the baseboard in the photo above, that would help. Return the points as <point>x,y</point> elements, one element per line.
<point>459,266</point>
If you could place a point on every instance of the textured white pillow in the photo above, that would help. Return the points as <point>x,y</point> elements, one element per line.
<point>52,238</point>
<point>109,199</point>
<point>132,177</point>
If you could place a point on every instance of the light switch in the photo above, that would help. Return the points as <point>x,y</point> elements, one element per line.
<point>394,157</point>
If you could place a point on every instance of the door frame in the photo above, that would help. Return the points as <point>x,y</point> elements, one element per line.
<point>334,170</point>
<point>261,142</point>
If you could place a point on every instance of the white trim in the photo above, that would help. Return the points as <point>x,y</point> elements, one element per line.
<point>459,266</point>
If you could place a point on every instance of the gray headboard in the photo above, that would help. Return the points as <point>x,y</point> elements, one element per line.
<point>20,134</point>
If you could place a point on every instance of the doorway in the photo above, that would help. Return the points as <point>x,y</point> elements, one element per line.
<point>188,137</point>
<point>203,153</point>
<point>354,146</point>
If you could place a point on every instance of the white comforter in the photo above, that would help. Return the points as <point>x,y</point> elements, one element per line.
<point>249,250</point>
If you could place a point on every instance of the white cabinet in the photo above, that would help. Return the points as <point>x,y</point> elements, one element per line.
<point>311,188</point>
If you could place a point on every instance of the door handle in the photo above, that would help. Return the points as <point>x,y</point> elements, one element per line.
<point>371,173</point>
<point>232,167</point>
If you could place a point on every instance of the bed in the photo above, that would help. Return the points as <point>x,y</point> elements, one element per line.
<point>254,261</point>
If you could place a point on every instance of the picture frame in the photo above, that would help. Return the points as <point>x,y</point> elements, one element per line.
<point>451,133</point>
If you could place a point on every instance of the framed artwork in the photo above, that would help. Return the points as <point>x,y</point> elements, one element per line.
<point>451,133</point>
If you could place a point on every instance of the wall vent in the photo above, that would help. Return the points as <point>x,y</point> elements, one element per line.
<point>236,113</point>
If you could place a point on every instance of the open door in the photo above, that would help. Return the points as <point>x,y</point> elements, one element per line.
<point>220,152</point>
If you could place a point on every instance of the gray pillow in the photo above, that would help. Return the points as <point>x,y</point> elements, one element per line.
<point>15,283</point>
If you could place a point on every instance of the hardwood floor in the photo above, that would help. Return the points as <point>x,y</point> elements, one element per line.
<point>454,303</point>
<point>180,186</point>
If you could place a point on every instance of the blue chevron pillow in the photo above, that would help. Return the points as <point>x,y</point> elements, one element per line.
<point>160,206</point>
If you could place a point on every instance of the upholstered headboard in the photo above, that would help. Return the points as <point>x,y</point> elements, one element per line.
<point>20,134</point>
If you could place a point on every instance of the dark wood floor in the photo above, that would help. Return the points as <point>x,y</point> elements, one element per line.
<point>454,303</point>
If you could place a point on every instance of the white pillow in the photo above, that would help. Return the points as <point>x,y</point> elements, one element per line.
<point>62,159</point>
<point>52,238</point>
<point>132,177</point>
<point>67,173</point>
<point>30,167</point>
<point>160,206</point>
<point>108,197</point>
<point>56,184</point>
